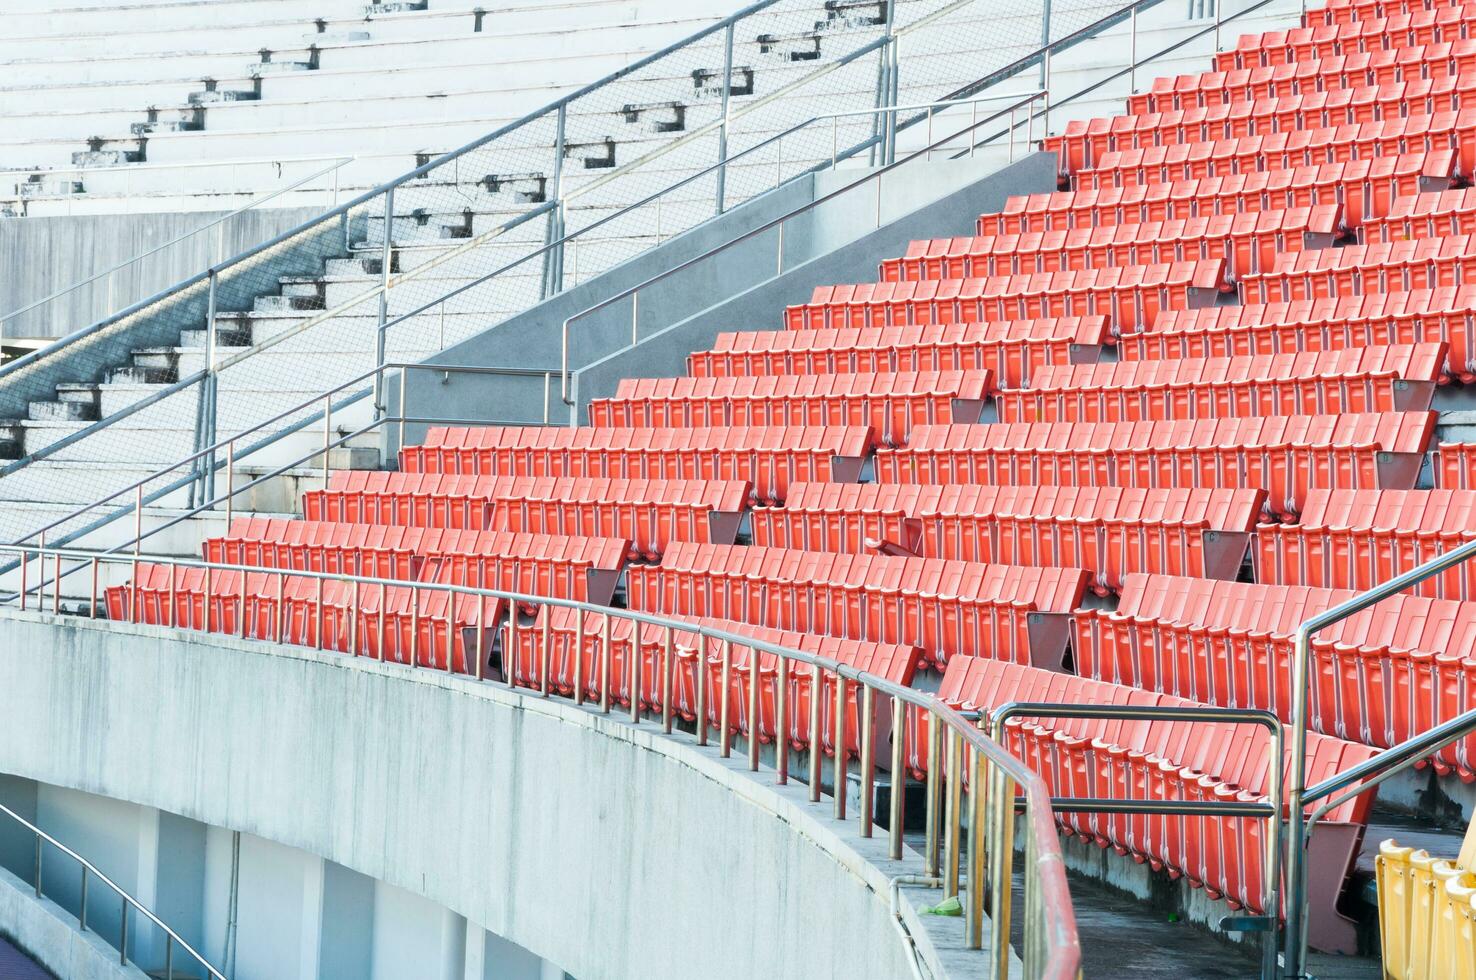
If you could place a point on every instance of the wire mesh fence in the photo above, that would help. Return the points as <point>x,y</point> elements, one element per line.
<point>476,236</point>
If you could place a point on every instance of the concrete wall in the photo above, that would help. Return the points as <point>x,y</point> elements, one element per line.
<point>40,256</point>
<point>610,850</point>
<point>290,915</point>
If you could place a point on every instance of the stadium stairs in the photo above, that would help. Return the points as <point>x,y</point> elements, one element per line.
<point>627,140</point>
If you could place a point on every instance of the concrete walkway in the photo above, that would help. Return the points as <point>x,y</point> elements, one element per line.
<point>15,965</point>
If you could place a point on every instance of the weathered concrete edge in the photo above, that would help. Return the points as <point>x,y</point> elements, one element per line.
<point>853,865</point>
<point>49,935</point>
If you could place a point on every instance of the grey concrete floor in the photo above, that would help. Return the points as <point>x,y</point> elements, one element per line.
<point>15,965</point>
<point>1125,938</point>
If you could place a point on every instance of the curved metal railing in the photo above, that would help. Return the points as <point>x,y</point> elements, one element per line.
<point>127,902</point>
<point>964,860</point>
<point>1344,786</point>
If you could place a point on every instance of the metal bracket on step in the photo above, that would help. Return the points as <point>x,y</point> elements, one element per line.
<point>1247,923</point>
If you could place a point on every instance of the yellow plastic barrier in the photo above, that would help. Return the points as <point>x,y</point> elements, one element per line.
<point>1460,955</point>
<point>1395,878</point>
<point>1427,912</point>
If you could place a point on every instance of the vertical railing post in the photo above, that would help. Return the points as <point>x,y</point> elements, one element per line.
<point>546,661</point>
<point>894,85</point>
<point>607,655</point>
<point>1002,850</point>
<point>781,721</point>
<point>865,729</point>
<point>231,482</point>
<point>404,377</point>
<point>205,415</point>
<point>1045,43</point>
<point>1045,87</point>
<point>817,692</point>
<point>668,654</point>
<point>450,595</point>
<point>755,678</point>
<point>932,795</point>
<point>725,738</point>
<point>138,516</point>
<point>41,567</point>
<point>884,87</point>
<point>1133,49</point>
<point>838,773</point>
<point>553,256</point>
<point>328,432</point>
<point>722,150</point>
<point>635,668</point>
<point>1296,857</point>
<point>386,259</point>
<point>953,819</point>
<point>898,794</point>
<point>578,655</point>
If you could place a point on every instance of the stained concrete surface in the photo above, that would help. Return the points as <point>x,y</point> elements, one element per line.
<point>1126,938</point>
<point>15,965</point>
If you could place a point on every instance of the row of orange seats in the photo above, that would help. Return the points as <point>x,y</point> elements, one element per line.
<point>648,513</point>
<point>1247,241</point>
<point>945,608</point>
<point>891,404</point>
<point>1348,11</point>
<point>1364,188</point>
<point>1368,319</point>
<point>398,623</point>
<point>1162,163</point>
<point>1380,677</point>
<point>573,653</point>
<point>1158,759</point>
<point>1356,70</point>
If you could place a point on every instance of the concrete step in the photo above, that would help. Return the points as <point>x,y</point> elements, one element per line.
<point>285,304</point>
<point>227,334</point>
<point>61,482</point>
<point>151,440</point>
<point>62,411</point>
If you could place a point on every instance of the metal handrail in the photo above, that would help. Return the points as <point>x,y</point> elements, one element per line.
<point>251,205</point>
<point>171,938</point>
<point>347,207</point>
<point>1380,766</point>
<point>388,281</point>
<point>1129,13</point>
<point>228,445</point>
<point>384,286</point>
<point>571,238</point>
<point>633,292</point>
<point>1002,810</point>
<point>280,337</point>
<point>167,165</point>
<point>725,123</point>
<point>1052,931</point>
